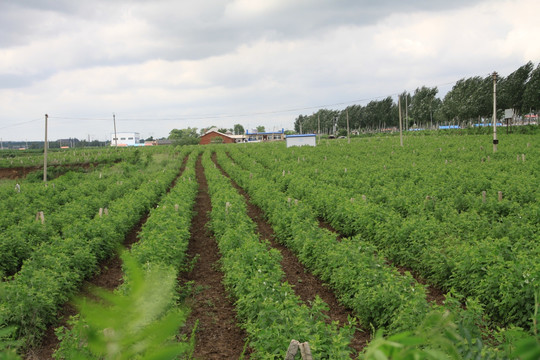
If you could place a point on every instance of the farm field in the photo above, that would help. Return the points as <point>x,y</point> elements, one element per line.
<point>266,244</point>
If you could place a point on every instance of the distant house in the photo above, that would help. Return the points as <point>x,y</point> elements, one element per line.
<point>254,135</point>
<point>215,137</point>
<point>125,139</point>
<point>301,140</point>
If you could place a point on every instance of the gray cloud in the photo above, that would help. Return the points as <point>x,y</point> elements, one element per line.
<point>181,59</point>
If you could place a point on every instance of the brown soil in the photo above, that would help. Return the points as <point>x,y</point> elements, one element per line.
<point>109,277</point>
<point>433,293</point>
<point>323,224</point>
<point>217,334</point>
<point>305,284</point>
<point>21,171</point>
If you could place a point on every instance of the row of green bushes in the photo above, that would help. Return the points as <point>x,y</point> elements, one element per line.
<point>55,270</point>
<point>267,307</point>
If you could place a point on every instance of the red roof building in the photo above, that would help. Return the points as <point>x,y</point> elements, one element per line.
<point>215,137</point>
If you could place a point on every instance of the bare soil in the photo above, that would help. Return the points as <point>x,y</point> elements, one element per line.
<point>217,334</point>
<point>305,284</point>
<point>21,171</point>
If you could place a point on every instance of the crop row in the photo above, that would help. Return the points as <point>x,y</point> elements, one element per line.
<point>362,281</point>
<point>56,268</point>
<point>164,236</point>
<point>74,156</point>
<point>267,307</point>
<point>147,299</point>
<point>77,198</point>
<point>483,249</point>
<point>377,293</point>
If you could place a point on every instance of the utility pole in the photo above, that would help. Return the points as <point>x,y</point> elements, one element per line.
<point>319,127</point>
<point>46,145</point>
<point>400,123</point>
<point>495,141</point>
<point>406,111</point>
<point>348,136</point>
<point>115,137</point>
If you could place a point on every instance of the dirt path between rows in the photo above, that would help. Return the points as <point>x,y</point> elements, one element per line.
<point>19,172</point>
<point>109,277</point>
<point>217,333</point>
<point>305,284</point>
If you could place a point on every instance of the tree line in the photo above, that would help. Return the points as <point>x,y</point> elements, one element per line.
<point>470,101</point>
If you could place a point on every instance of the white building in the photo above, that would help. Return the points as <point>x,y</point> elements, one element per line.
<point>300,140</point>
<point>125,139</point>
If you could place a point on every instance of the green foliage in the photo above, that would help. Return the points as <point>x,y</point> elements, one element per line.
<point>469,100</point>
<point>187,136</point>
<point>531,100</point>
<point>445,335</point>
<point>7,344</point>
<point>135,324</point>
<point>238,129</point>
<point>66,249</point>
<point>268,308</point>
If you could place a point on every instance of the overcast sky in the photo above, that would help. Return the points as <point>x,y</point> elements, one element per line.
<point>164,64</point>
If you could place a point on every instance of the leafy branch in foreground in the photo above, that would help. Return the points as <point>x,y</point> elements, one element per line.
<point>139,323</point>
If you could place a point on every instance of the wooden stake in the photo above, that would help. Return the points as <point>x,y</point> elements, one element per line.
<point>500,195</point>
<point>483,196</point>
<point>305,351</point>
<point>40,216</point>
<point>292,350</point>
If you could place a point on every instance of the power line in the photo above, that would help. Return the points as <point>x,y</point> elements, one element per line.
<point>18,124</point>
<point>186,117</point>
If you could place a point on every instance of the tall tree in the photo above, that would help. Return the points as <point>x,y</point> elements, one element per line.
<point>512,88</point>
<point>187,136</point>
<point>238,129</point>
<point>260,128</point>
<point>531,95</point>
<point>423,105</point>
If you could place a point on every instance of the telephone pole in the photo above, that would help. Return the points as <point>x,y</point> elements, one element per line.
<point>46,145</point>
<point>495,141</point>
<point>115,137</point>
<point>348,136</point>
<point>406,111</point>
<point>400,123</point>
<point>319,127</point>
